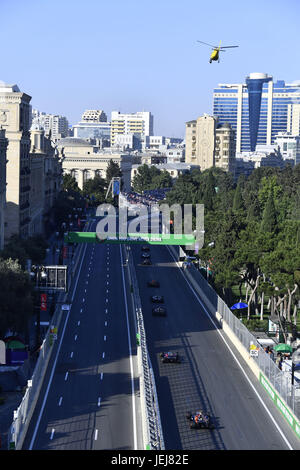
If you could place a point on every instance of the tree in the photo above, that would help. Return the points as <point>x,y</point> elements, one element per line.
<point>16,305</point>
<point>113,171</point>
<point>69,183</point>
<point>95,189</point>
<point>209,192</point>
<point>269,220</point>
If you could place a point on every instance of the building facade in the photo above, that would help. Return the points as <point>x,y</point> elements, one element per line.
<point>15,118</point>
<point>289,146</point>
<point>135,123</point>
<point>54,125</point>
<point>210,143</point>
<point>93,125</point>
<point>84,161</point>
<point>45,180</point>
<point>256,110</point>
<point>3,150</point>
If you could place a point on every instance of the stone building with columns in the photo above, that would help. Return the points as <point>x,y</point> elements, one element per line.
<point>84,160</point>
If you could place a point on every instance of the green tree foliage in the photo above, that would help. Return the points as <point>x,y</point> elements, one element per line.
<point>16,304</point>
<point>70,184</point>
<point>255,227</point>
<point>33,248</point>
<point>95,190</point>
<point>150,177</point>
<point>113,171</point>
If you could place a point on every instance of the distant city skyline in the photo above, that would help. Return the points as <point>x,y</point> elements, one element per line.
<point>130,57</point>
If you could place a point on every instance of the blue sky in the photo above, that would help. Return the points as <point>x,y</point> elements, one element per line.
<point>135,55</point>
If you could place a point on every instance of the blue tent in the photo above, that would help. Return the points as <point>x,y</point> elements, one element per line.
<point>238,306</point>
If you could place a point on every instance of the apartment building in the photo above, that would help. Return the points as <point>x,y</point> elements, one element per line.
<point>135,123</point>
<point>209,143</point>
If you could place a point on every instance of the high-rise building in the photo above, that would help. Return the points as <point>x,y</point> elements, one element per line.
<point>209,143</point>
<point>135,123</point>
<point>15,114</point>
<point>3,149</point>
<point>289,146</point>
<point>257,110</point>
<point>94,115</point>
<point>93,125</point>
<point>54,125</point>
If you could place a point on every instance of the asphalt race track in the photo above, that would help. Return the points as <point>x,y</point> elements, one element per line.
<point>91,403</point>
<point>208,377</point>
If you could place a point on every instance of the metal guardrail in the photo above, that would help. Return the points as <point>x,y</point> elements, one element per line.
<point>280,380</point>
<point>149,399</point>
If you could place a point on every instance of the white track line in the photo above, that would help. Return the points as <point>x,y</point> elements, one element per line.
<point>234,356</point>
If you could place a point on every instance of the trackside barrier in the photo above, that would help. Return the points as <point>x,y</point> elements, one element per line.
<point>274,381</point>
<point>23,414</point>
<point>153,436</point>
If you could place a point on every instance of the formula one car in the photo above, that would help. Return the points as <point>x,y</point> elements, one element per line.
<point>145,248</point>
<point>200,420</point>
<point>146,262</point>
<point>159,311</point>
<point>157,299</point>
<point>169,357</point>
<point>153,283</point>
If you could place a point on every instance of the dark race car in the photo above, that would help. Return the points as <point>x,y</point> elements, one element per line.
<point>169,357</point>
<point>200,420</point>
<point>146,262</point>
<point>153,283</point>
<point>157,299</point>
<point>145,248</point>
<point>159,311</point>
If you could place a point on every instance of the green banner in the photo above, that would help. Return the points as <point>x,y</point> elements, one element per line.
<point>283,408</point>
<point>141,238</point>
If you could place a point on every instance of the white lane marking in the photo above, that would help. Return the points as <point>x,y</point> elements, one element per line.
<point>96,434</point>
<point>107,275</point>
<point>104,337</point>
<point>101,376</point>
<point>81,310</point>
<point>103,355</point>
<point>85,291</point>
<point>71,355</point>
<point>78,323</point>
<point>130,355</point>
<point>107,283</point>
<point>57,353</point>
<point>105,324</point>
<point>106,300</point>
<point>66,376</point>
<point>107,291</point>
<point>83,300</point>
<point>60,400</point>
<point>106,310</point>
<point>99,401</point>
<point>86,282</point>
<point>52,434</point>
<point>231,352</point>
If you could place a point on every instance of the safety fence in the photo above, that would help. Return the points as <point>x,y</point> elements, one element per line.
<point>23,414</point>
<point>276,382</point>
<point>149,402</point>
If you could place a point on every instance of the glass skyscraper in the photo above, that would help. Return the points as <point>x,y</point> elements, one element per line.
<point>257,110</point>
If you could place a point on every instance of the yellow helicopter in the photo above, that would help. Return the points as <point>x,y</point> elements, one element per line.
<point>216,49</point>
